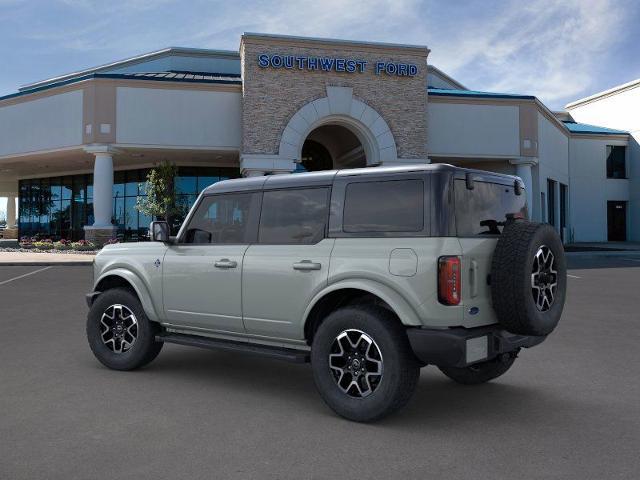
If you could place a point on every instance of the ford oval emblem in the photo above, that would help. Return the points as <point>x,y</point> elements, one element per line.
<point>474,311</point>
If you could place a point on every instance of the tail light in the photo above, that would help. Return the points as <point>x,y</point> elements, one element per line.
<point>449,280</point>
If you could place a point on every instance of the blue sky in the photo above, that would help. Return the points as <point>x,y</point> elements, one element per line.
<point>557,50</point>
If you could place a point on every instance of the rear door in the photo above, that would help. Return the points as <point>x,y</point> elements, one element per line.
<point>480,215</point>
<point>290,262</point>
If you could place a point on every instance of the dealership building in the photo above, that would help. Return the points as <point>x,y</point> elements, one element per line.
<point>75,149</point>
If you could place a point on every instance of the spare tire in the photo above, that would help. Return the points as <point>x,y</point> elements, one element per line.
<point>528,278</point>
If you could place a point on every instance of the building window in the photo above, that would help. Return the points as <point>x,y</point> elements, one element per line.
<point>551,202</point>
<point>59,207</point>
<point>564,200</point>
<point>616,163</point>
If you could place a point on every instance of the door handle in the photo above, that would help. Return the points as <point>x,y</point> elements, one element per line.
<point>307,265</point>
<point>226,263</point>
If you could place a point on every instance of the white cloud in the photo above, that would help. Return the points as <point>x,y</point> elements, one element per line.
<point>547,48</point>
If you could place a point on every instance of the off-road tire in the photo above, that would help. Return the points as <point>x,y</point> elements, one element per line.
<point>511,278</point>
<point>142,351</point>
<point>480,372</point>
<point>399,366</point>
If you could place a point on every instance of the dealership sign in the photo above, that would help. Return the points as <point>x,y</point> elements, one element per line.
<point>335,64</point>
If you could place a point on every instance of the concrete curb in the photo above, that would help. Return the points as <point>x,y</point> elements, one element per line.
<point>608,253</point>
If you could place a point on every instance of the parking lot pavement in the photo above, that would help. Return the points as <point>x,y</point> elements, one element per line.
<point>567,409</point>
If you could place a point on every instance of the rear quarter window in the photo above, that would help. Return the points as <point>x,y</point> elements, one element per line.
<point>484,210</point>
<point>384,206</point>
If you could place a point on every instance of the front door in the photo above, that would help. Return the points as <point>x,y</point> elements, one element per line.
<point>290,263</point>
<point>202,274</point>
<point>617,221</point>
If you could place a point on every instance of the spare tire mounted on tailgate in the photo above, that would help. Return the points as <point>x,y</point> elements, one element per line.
<point>528,278</point>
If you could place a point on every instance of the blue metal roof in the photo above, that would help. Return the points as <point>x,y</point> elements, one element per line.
<point>575,127</point>
<point>444,92</point>
<point>188,77</point>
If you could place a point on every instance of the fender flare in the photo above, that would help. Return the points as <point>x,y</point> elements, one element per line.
<point>139,287</point>
<point>398,304</point>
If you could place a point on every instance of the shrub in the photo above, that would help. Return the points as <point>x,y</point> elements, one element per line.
<point>62,245</point>
<point>43,244</point>
<point>83,245</point>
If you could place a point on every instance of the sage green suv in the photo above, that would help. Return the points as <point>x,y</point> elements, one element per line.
<point>369,274</point>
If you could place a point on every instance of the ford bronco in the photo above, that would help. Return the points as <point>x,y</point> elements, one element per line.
<point>368,274</point>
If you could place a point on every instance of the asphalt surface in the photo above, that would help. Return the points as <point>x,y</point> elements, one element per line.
<point>569,408</point>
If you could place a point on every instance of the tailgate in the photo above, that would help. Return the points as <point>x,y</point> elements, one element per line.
<point>477,254</point>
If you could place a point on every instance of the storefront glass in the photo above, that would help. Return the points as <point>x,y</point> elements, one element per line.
<point>59,207</point>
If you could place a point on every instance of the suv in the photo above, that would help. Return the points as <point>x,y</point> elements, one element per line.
<point>369,274</point>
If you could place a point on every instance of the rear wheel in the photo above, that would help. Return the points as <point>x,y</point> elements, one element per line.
<point>362,363</point>
<point>481,372</point>
<point>119,333</point>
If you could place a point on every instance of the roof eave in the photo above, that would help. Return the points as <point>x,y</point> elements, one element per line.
<point>130,61</point>
<point>603,94</point>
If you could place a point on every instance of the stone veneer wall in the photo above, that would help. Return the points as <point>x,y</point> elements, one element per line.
<point>272,96</point>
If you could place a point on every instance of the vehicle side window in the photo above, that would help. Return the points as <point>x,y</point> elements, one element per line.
<point>295,216</point>
<point>387,206</point>
<point>221,219</point>
<point>484,210</point>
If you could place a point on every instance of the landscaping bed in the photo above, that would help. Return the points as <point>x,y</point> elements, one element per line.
<point>39,245</point>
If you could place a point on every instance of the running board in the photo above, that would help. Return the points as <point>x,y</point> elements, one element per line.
<point>279,353</point>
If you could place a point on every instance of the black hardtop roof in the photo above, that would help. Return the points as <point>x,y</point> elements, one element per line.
<point>326,178</point>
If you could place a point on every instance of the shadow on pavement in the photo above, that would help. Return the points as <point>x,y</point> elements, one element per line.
<point>438,402</point>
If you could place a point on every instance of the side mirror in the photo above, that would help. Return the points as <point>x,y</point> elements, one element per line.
<point>159,232</point>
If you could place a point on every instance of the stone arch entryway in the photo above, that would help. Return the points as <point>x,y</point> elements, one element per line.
<point>337,130</point>
<point>332,146</point>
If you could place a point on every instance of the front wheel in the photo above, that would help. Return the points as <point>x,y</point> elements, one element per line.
<point>119,333</point>
<point>480,372</point>
<point>362,363</point>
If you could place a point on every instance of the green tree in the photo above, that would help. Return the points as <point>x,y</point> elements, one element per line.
<point>160,202</point>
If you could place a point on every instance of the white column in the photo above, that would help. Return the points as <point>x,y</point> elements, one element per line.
<point>11,212</point>
<point>103,189</point>
<point>523,170</point>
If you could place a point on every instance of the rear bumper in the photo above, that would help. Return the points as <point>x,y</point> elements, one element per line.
<point>460,347</point>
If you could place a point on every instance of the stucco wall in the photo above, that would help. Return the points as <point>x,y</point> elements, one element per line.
<point>590,189</point>
<point>272,96</point>
<point>473,129</point>
<point>620,111</point>
<point>553,163</point>
<point>190,118</point>
<point>43,124</point>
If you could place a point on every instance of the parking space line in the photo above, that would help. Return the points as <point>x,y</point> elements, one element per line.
<point>25,275</point>
<point>573,276</point>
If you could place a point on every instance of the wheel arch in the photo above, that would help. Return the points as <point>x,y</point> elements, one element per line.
<point>121,277</point>
<point>349,292</point>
